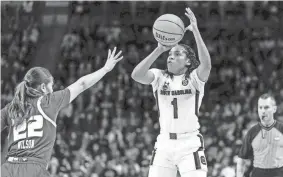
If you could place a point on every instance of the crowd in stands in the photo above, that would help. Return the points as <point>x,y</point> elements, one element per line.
<point>19,36</point>
<point>110,130</point>
<point>20,33</point>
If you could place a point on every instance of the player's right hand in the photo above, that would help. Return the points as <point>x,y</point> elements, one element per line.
<point>164,48</point>
<point>112,59</point>
<point>191,16</point>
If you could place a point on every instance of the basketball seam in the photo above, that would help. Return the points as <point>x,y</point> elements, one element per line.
<point>173,22</point>
<point>166,32</point>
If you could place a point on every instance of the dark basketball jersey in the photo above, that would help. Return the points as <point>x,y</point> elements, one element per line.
<point>35,137</point>
<point>264,146</point>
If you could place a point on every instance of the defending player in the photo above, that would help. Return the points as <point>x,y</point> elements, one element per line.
<point>31,117</point>
<point>263,143</point>
<point>178,91</point>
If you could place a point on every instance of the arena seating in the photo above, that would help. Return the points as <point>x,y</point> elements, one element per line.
<point>110,129</point>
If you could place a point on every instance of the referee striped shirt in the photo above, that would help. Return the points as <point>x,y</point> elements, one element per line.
<point>264,146</point>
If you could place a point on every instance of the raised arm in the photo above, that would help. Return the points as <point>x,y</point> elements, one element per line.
<point>241,166</point>
<point>89,80</point>
<point>204,68</point>
<point>141,72</point>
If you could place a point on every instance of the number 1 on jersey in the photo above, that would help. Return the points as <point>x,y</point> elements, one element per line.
<point>175,108</point>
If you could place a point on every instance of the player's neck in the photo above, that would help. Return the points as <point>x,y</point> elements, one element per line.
<point>181,72</point>
<point>268,123</point>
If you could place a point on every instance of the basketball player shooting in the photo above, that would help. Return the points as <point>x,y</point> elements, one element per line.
<point>178,92</point>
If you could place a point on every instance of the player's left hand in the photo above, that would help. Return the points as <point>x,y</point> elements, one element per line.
<point>112,59</point>
<point>193,26</point>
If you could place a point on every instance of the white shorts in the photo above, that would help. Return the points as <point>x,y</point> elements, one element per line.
<point>180,152</point>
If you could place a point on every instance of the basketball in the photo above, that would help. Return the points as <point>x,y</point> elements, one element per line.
<point>168,29</point>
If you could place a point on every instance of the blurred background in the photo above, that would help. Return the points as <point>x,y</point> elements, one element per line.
<point>110,130</point>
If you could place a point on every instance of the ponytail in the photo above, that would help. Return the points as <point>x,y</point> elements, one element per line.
<point>31,92</point>
<point>20,108</point>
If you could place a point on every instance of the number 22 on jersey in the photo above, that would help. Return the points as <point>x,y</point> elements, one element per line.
<point>29,128</point>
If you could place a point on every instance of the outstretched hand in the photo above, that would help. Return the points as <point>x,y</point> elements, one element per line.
<point>112,59</point>
<point>193,26</point>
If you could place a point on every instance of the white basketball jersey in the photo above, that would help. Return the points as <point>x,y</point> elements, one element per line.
<point>178,100</point>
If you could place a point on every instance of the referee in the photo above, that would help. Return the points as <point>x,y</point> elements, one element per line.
<point>263,143</point>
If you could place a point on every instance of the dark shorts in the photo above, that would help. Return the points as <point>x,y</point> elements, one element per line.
<point>275,172</point>
<point>14,169</point>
